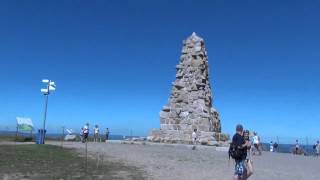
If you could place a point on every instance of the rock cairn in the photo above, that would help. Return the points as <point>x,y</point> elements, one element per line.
<point>190,103</point>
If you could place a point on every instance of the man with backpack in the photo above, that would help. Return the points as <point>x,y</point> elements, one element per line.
<point>238,151</point>
<point>275,146</point>
<point>85,133</point>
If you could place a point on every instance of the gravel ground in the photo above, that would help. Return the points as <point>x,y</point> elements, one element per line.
<point>167,162</point>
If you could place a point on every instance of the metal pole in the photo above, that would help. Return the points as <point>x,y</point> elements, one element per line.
<point>45,115</point>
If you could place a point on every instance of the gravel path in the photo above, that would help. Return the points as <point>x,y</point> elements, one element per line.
<point>181,163</point>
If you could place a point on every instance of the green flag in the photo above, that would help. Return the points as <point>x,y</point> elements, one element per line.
<point>24,124</point>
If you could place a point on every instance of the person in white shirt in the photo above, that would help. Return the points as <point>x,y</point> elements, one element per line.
<point>271,146</point>
<point>194,136</point>
<point>81,134</point>
<point>96,133</point>
<point>256,142</point>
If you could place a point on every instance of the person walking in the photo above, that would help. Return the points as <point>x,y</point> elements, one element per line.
<point>271,147</point>
<point>246,135</point>
<point>317,148</point>
<point>296,147</point>
<point>248,163</point>
<point>194,137</point>
<point>81,134</point>
<point>256,143</point>
<point>85,133</point>
<point>238,151</point>
<point>275,147</point>
<point>96,135</point>
<point>107,134</point>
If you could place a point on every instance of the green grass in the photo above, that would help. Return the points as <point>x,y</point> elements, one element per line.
<point>7,138</point>
<point>53,162</point>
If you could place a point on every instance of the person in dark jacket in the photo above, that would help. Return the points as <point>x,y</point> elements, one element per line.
<point>243,166</point>
<point>107,134</point>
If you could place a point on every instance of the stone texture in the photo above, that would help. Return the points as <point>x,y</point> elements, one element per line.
<point>190,103</point>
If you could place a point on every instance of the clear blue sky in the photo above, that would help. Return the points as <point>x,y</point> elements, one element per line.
<point>114,61</point>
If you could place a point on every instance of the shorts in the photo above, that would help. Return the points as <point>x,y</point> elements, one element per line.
<point>194,140</point>
<point>239,168</point>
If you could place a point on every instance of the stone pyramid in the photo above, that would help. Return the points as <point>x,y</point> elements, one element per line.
<point>190,103</point>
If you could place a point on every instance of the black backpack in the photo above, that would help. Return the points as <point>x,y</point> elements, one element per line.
<point>235,151</point>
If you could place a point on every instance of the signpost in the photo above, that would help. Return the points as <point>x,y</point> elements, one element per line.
<point>50,86</point>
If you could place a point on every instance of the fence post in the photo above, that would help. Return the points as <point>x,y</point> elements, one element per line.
<point>86,163</point>
<point>307,143</point>
<point>278,144</point>
<point>17,131</point>
<point>62,139</point>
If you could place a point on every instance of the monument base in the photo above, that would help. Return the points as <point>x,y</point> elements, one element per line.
<point>184,137</point>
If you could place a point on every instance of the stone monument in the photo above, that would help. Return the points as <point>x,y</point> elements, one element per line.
<point>190,103</point>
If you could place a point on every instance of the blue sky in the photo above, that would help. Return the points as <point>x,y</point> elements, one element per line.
<point>114,61</point>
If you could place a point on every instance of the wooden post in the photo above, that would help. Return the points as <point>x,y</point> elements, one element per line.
<point>31,133</point>
<point>307,144</point>
<point>278,149</point>
<point>86,163</point>
<point>131,133</point>
<point>17,133</point>
<point>62,139</point>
